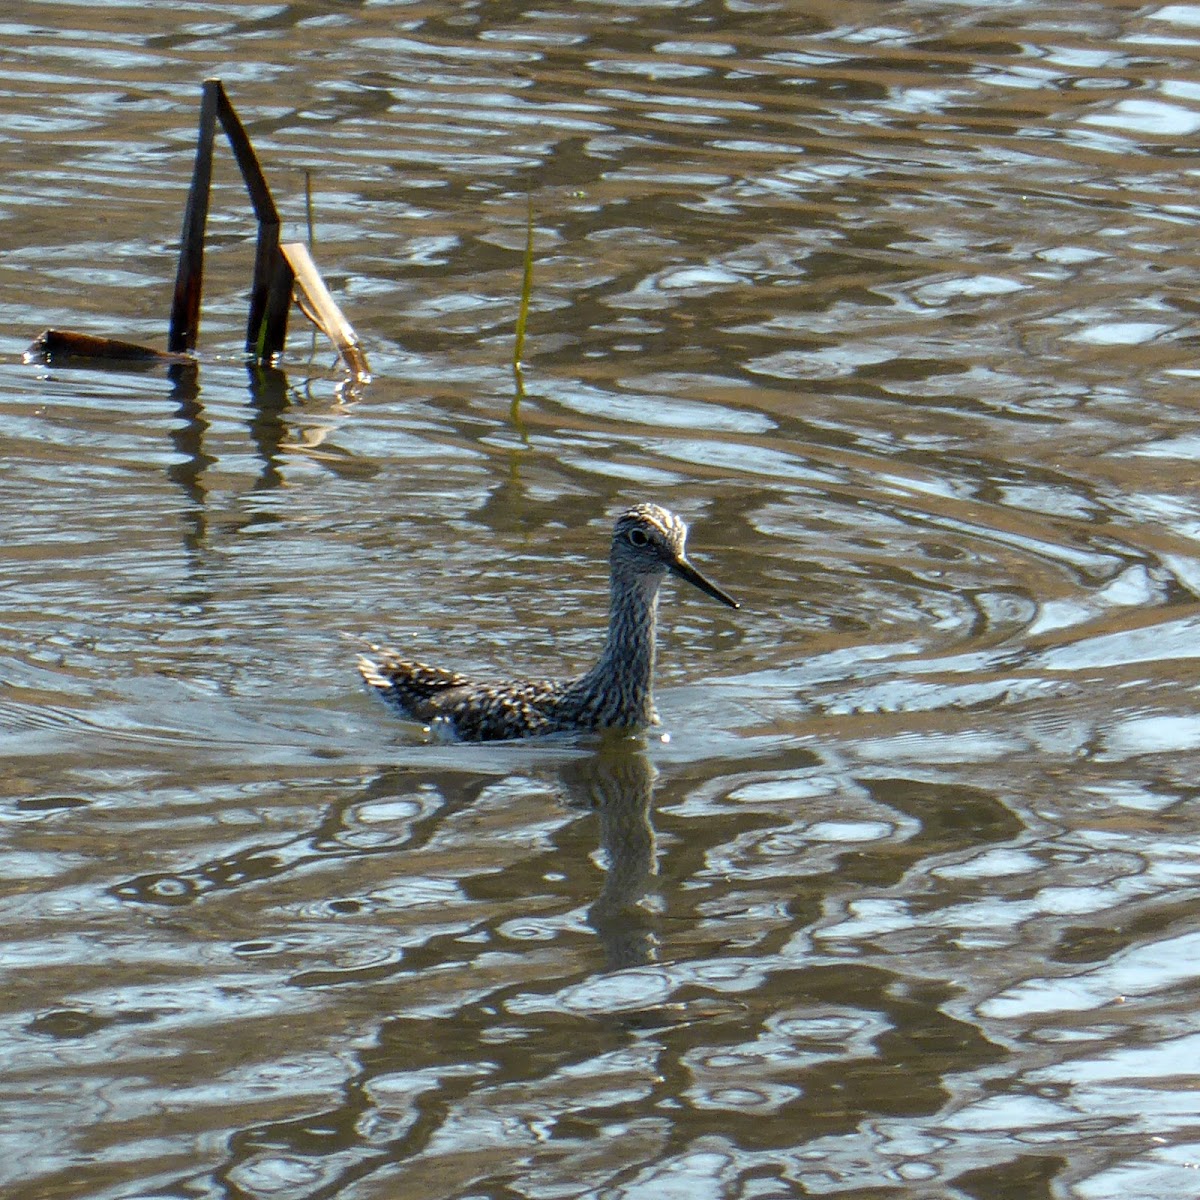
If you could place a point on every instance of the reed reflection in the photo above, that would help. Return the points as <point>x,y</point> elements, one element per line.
<point>269,400</point>
<point>187,437</point>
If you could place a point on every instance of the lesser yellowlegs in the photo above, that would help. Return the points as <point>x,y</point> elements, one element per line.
<point>648,543</point>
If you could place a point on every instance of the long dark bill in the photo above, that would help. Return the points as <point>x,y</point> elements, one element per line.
<point>685,570</point>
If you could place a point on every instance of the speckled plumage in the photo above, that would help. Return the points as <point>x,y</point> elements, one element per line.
<point>648,542</point>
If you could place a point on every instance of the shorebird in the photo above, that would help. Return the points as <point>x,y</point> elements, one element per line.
<point>648,543</point>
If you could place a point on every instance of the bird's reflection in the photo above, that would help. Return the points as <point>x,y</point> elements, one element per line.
<point>615,783</point>
<point>618,782</point>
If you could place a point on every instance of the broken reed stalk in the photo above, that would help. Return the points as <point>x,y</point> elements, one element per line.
<point>275,267</point>
<point>189,276</point>
<point>271,287</point>
<point>270,290</point>
<point>59,345</point>
<point>323,311</point>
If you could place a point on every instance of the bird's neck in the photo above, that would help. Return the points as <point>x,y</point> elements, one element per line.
<point>623,678</point>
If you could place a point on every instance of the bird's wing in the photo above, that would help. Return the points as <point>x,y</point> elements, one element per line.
<point>405,683</point>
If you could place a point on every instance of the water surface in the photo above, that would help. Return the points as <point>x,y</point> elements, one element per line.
<point>895,303</point>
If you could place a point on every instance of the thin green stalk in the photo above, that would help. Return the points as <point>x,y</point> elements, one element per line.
<point>526,290</point>
<point>308,210</point>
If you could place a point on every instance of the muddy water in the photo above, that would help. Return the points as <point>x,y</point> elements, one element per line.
<point>896,303</point>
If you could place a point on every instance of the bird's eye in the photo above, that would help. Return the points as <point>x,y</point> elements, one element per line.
<point>637,537</point>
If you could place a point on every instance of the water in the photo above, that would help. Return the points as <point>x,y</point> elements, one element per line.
<point>897,304</point>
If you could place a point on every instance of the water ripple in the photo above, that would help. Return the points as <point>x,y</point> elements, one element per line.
<point>898,313</point>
